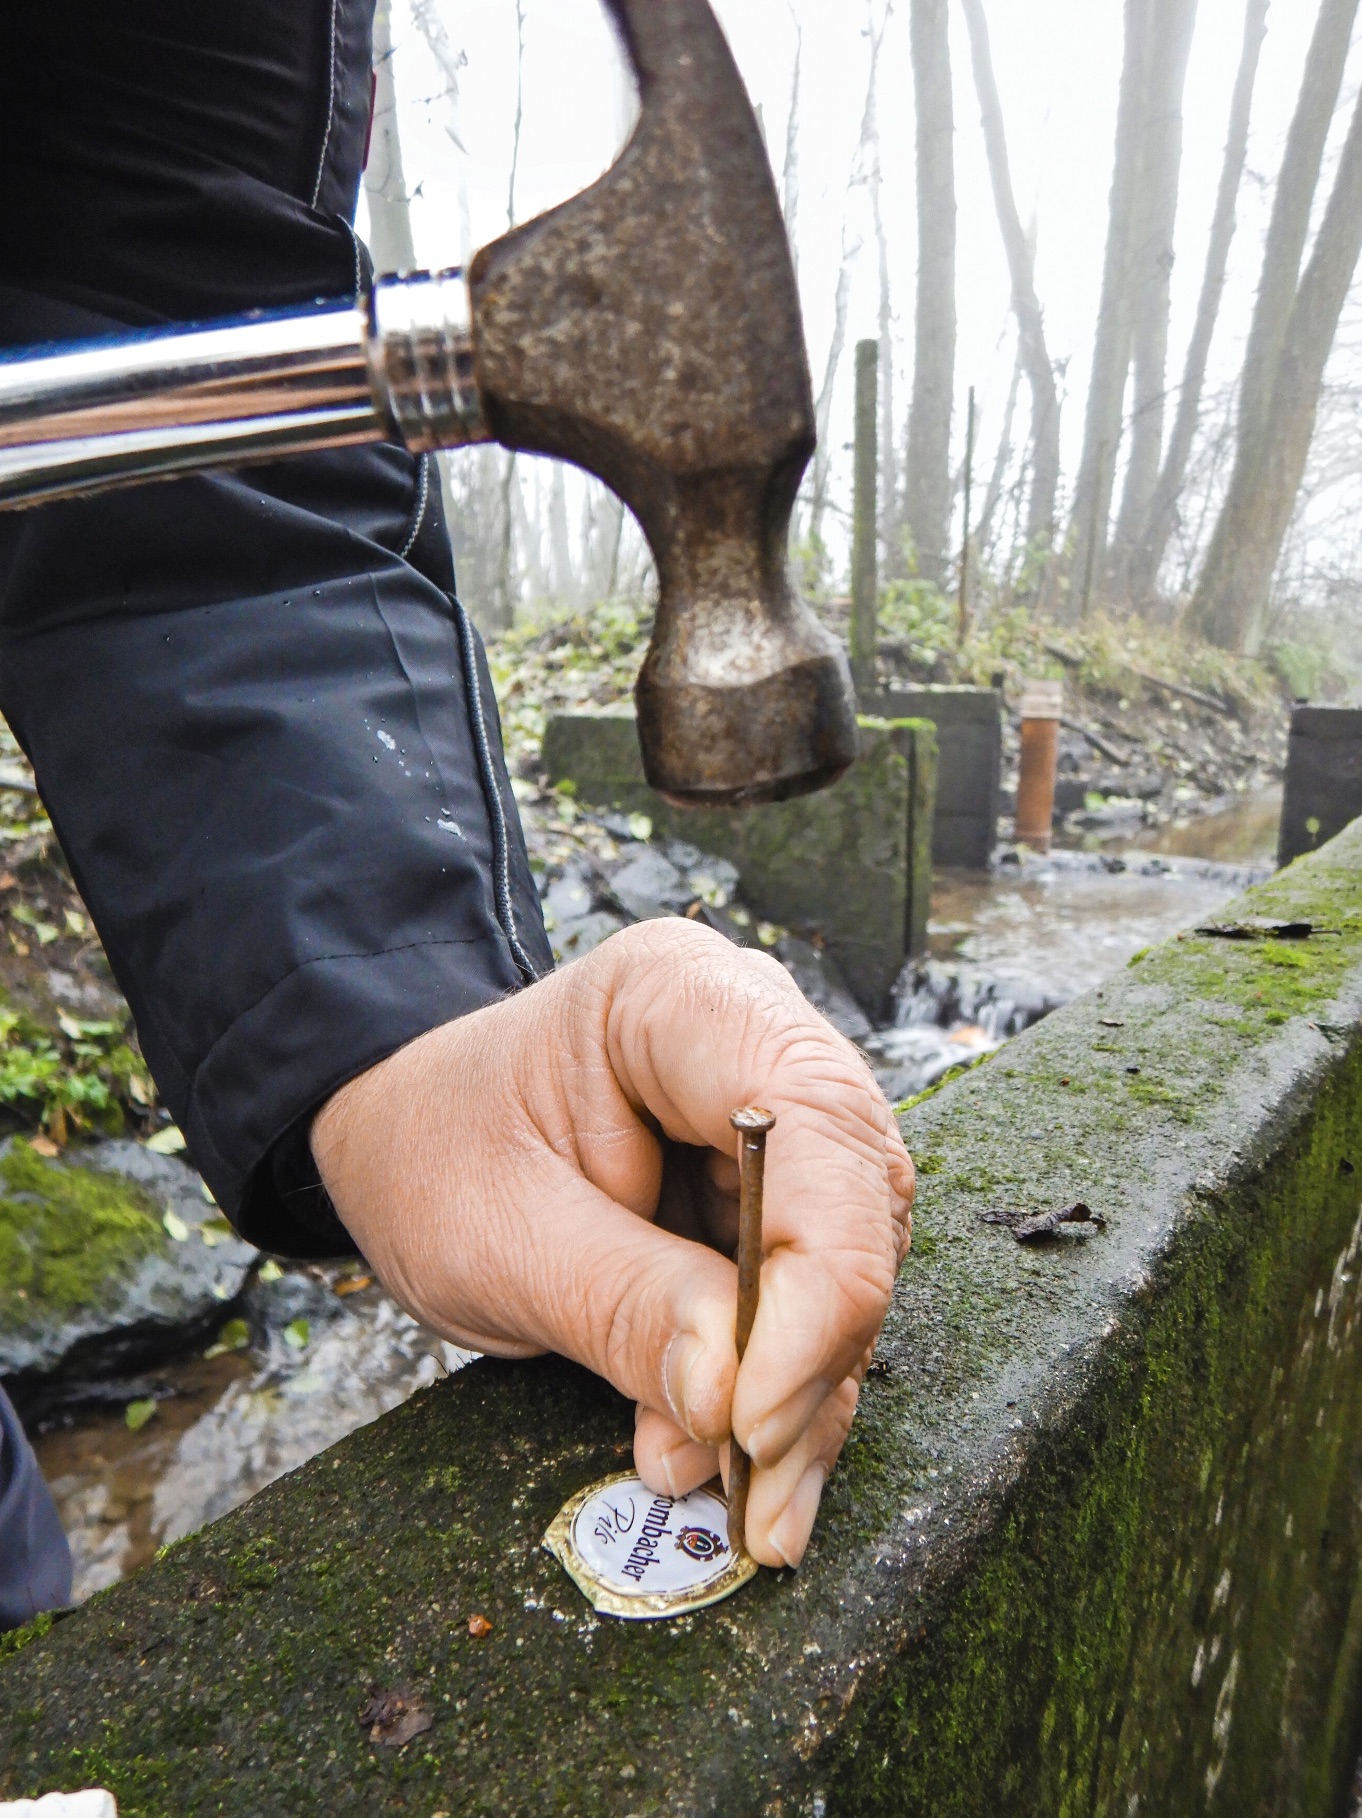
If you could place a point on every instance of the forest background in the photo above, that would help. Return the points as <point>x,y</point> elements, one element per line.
<point>1096,216</point>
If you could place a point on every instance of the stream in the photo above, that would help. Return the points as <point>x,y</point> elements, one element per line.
<point>1004,950</point>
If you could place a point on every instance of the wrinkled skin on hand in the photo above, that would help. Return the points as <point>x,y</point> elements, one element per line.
<point>558,1173</point>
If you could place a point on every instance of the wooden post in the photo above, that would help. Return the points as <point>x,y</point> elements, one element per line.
<point>865,567</point>
<point>962,619</point>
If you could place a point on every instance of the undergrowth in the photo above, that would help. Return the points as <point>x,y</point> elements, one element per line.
<point>82,1076</point>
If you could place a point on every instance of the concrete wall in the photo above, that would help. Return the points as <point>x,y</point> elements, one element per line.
<point>1093,1549</point>
<point>1323,778</point>
<point>969,737</point>
<point>852,862</point>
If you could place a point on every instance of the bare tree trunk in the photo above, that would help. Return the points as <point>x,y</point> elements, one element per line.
<point>1289,228</point>
<point>1111,351</point>
<point>1156,214</point>
<point>426,17</point>
<point>822,460</point>
<point>1032,352</point>
<point>790,175</point>
<point>928,493</point>
<point>1162,516</point>
<point>888,495</point>
<point>562,577</point>
<point>865,583</point>
<point>1231,603</point>
<point>390,239</point>
<point>519,111</point>
<point>1003,459</point>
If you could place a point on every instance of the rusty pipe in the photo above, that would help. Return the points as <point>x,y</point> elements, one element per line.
<point>1042,708</point>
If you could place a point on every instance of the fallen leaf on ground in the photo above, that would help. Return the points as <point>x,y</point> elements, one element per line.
<point>176,1229</point>
<point>354,1284</point>
<point>270,1270</point>
<point>479,1627</point>
<point>137,1414</point>
<point>395,1718</point>
<point>1031,1229</point>
<point>169,1141</point>
<point>1259,928</point>
<point>296,1334</point>
<point>234,1336</point>
<point>43,1145</point>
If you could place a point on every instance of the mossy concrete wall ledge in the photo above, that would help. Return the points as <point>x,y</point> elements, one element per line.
<point>853,862</point>
<point>1093,1548</point>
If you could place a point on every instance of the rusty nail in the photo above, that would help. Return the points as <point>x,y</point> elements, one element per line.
<point>753,1126</point>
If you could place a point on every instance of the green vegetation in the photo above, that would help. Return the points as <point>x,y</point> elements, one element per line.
<point>14,1640</point>
<point>82,1074</point>
<point>69,1237</point>
<point>586,659</point>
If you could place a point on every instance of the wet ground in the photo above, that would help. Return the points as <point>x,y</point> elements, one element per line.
<point>1004,950</point>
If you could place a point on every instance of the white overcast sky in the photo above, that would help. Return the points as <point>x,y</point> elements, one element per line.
<point>1058,65</point>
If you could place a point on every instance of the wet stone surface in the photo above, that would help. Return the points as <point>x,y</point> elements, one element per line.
<point>114,1259</point>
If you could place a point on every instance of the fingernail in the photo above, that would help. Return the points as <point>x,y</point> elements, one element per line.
<point>683,1354</point>
<point>791,1529</point>
<point>685,1467</point>
<point>772,1438</point>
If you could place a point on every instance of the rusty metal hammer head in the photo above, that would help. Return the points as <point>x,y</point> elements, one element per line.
<point>649,330</point>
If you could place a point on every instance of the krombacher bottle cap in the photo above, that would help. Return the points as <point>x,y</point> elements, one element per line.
<point>647,1557</point>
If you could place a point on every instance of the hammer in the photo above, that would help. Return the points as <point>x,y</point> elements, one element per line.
<point>648,330</point>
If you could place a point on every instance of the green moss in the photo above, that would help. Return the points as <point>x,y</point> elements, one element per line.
<point>14,1639</point>
<point>69,1237</point>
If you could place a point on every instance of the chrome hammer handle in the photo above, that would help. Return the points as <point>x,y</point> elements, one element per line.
<point>397,365</point>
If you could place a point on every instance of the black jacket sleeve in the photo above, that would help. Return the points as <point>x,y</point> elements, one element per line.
<point>269,747</point>
<point>259,718</point>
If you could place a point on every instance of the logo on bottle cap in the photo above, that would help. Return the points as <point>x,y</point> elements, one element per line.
<point>646,1557</point>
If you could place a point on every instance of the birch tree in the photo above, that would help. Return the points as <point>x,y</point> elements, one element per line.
<point>1151,265</point>
<point>385,188</point>
<point>789,187</point>
<point>928,490</point>
<point>1232,598</point>
<point>872,175</point>
<point>1289,228</point>
<point>1111,348</point>
<point>1033,355</point>
<point>1162,513</point>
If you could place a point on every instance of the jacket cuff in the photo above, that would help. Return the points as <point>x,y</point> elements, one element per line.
<point>356,1009</point>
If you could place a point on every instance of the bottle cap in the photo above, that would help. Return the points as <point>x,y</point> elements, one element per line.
<point>645,1557</point>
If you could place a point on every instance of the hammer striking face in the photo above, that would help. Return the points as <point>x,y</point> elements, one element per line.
<point>648,330</point>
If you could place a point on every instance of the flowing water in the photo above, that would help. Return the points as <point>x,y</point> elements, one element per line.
<point>1005,950</point>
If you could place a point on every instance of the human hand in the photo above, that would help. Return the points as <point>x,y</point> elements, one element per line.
<point>557,1172</point>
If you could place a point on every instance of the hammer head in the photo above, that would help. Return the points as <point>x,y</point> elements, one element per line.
<point>649,330</point>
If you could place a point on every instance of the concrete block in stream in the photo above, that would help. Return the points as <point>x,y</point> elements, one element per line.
<point>1323,778</point>
<point>1093,1547</point>
<point>969,738</point>
<point>852,862</point>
